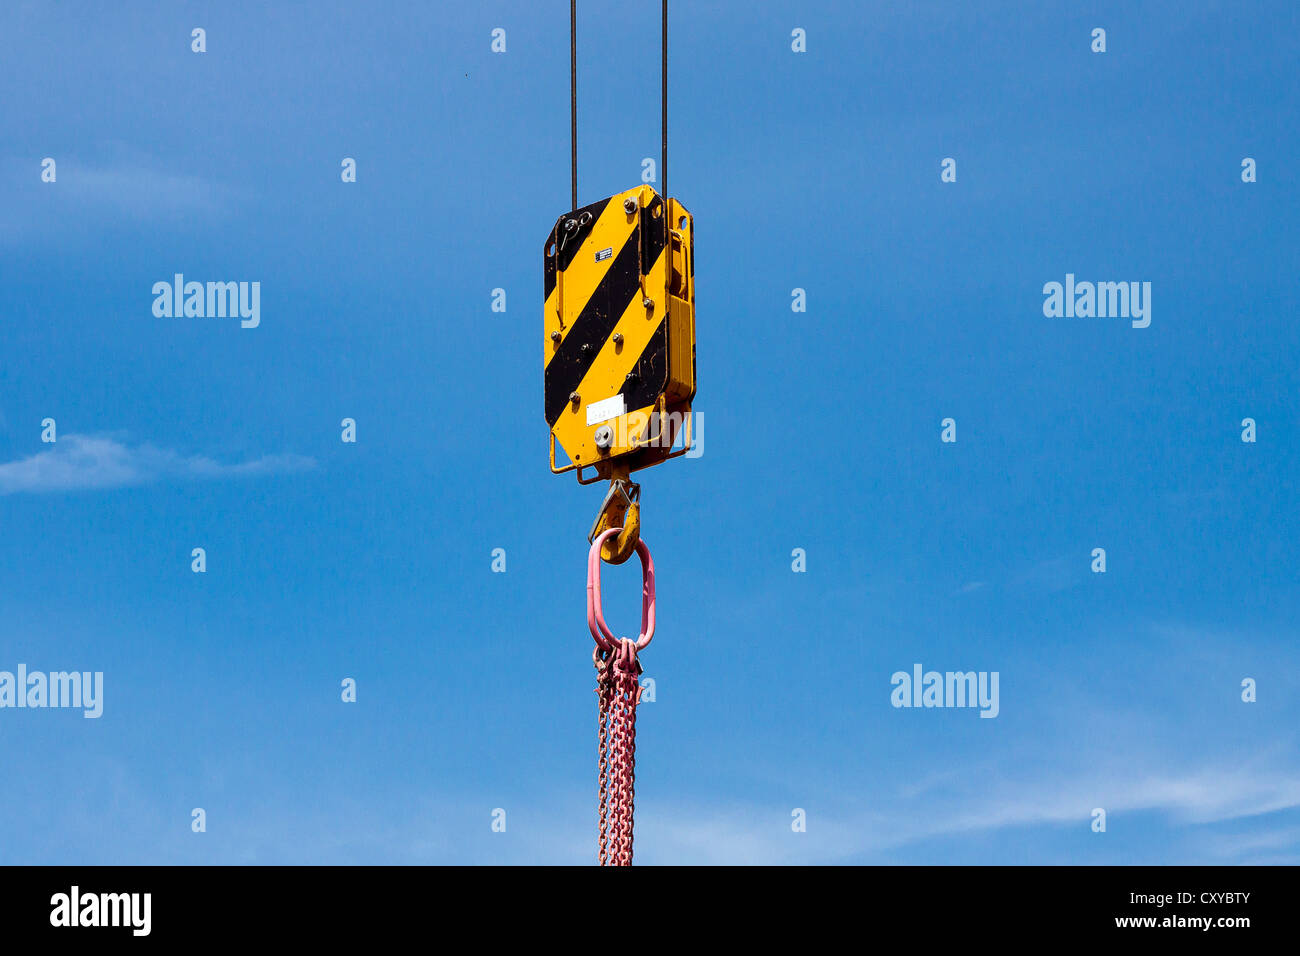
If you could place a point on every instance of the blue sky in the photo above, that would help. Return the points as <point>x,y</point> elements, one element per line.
<point>372,560</point>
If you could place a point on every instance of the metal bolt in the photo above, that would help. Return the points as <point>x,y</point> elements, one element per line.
<point>618,338</point>
<point>629,205</point>
<point>648,303</point>
<point>575,397</point>
<point>555,335</point>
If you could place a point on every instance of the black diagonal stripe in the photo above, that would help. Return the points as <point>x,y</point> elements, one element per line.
<point>649,377</point>
<point>592,327</point>
<point>566,244</point>
<point>654,234</point>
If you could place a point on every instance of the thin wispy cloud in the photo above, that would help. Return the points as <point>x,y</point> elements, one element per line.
<point>1052,575</point>
<point>142,191</point>
<point>750,834</point>
<point>113,193</point>
<point>83,462</point>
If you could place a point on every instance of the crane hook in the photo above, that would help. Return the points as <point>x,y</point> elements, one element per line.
<point>620,509</point>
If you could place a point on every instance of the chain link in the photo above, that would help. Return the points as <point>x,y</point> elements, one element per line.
<point>600,658</point>
<point>618,692</point>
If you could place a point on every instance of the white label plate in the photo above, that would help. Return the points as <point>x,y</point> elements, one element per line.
<point>605,409</point>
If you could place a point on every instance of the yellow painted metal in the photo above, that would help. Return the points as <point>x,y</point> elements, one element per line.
<point>623,545</point>
<point>622,284</point>
<point>619,326</point>
<point>621,509</point>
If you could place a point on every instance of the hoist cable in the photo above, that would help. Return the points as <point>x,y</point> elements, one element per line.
<point>663,104</point>
<point>573,98</point>
<point>573,101</point>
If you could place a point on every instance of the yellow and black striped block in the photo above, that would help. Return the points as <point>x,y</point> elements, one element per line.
<point>620,329</point>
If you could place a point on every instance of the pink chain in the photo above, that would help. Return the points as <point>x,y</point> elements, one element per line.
<point>618,691</point>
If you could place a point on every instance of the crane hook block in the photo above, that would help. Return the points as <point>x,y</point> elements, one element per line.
<point>619,333</point>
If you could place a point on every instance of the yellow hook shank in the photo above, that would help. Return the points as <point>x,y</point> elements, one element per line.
<point>621,547</point>
<point>621,509</point>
